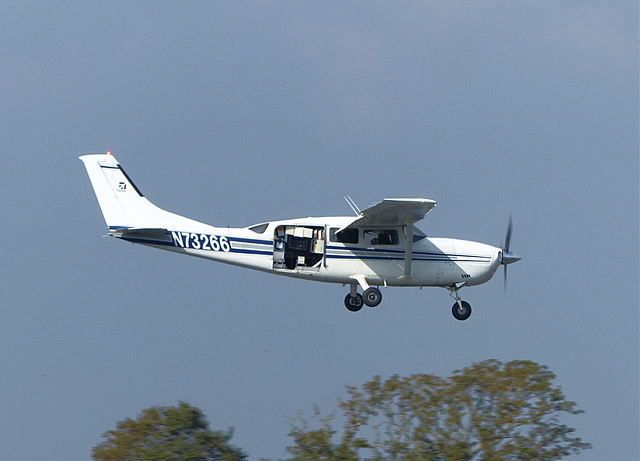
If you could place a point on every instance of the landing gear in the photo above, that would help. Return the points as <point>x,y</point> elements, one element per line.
<point>353,303</point>
<point>372,297</point>
<point>461,310</point>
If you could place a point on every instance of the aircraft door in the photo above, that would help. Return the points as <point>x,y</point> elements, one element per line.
<point>278,248</point>
<point>299,248</point>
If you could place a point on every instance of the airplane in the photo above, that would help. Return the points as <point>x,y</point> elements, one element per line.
<point>379,246</point>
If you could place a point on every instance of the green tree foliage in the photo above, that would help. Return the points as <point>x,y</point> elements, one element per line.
<point>167,433</point>
<point>490,411</point>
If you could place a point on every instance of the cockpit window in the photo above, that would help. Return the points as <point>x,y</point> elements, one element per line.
<point>380,237</point>
<point>348,235</point>
<point>259,228</point>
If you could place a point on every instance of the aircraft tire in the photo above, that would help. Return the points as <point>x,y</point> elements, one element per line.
<point>372,297</point>
<point>461,314</point>
<point>353,303</point>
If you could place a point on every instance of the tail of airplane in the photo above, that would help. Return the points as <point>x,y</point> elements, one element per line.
<point>123,205</point>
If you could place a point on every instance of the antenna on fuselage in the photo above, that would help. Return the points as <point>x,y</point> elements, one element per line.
<point>353,205</point>
<point>225,219</point>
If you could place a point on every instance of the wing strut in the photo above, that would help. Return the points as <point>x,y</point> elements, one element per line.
<point>408,250</point>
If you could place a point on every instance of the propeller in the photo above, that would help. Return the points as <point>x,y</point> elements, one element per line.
<point>507,256</point>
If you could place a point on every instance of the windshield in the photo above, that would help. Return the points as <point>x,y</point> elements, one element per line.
<point>417,234</point>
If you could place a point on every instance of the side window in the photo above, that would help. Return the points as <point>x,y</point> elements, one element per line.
<point>345,236</point>
<point>381,237</point>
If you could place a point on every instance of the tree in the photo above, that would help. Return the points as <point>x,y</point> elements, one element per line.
<point>167,433</point>
<point>490,411</point>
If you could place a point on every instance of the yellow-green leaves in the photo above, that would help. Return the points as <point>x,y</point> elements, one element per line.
<point>488,411</point>
<point>167,433</point>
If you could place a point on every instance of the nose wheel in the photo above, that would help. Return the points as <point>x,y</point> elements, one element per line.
<point>461,310</point>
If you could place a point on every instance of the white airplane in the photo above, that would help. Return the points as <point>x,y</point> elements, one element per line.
<point>365,251</point>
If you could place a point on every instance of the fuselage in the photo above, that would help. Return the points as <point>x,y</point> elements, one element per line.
<point>312,248</point>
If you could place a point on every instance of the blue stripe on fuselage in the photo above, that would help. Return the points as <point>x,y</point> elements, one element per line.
<point>333,252</point>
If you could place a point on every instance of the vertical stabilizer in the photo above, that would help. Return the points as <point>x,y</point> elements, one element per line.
<point>122,204</point>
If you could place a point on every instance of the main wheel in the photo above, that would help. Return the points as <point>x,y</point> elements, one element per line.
<point>353,303</point>
<point>461,313</point>
<point>372,297</point>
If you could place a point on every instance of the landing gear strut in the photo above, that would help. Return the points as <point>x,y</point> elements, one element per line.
<point>461,310</point>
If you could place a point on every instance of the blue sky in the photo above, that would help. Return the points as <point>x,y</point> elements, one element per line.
<point>235,113</point>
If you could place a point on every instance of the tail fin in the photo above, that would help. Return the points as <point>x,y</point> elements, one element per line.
<point>123,205</point>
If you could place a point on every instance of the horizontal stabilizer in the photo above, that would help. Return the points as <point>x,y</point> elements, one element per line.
<point>143,235</point>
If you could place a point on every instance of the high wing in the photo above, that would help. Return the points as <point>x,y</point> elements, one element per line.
<point>396,212</point>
